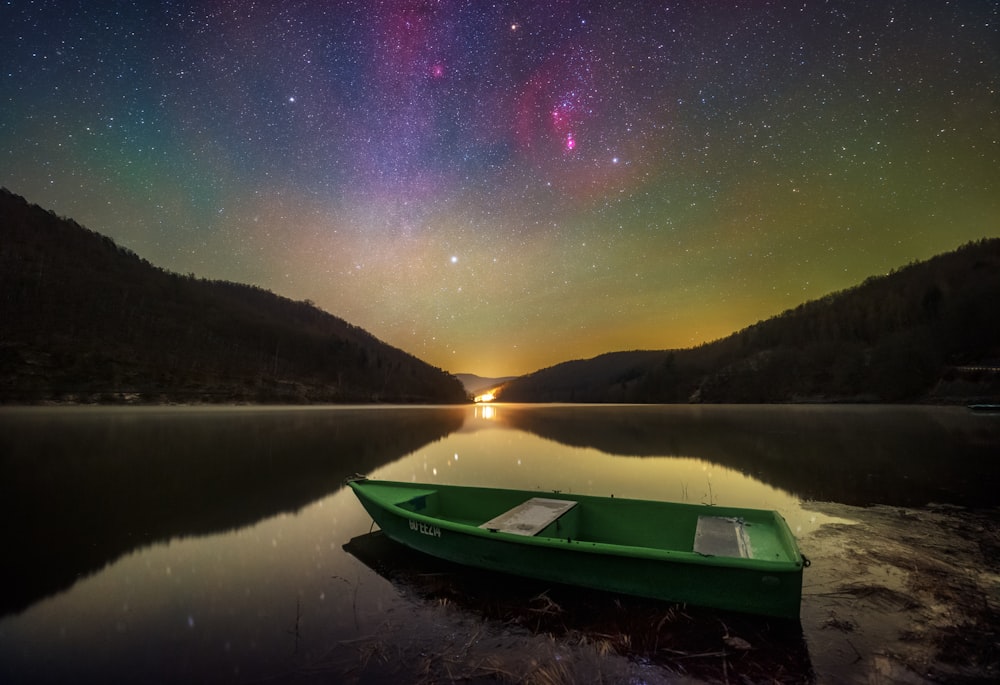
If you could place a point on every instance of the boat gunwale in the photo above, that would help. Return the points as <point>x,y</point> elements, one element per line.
<point>794,565</point>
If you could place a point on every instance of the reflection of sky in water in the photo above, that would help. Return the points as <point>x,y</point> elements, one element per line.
<point>487,453</point>
<point>207,609</point>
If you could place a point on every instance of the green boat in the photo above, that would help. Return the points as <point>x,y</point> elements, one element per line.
<point>727,558</point>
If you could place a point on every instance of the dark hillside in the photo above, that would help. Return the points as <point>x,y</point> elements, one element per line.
<point>606,378</point>
<point>928,332</point>
<point>87,320</point>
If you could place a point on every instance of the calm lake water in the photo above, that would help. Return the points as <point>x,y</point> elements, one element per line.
<point>207,544</point>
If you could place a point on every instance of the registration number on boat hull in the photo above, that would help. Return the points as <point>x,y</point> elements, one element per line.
<point>425,529</point>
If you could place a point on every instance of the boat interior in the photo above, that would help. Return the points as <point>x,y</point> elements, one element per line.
<point>700,529</point>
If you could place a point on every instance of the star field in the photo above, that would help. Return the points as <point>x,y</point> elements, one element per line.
<point>498,187</point>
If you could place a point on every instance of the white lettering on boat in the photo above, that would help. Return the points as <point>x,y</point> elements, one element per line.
<point>433,531</point>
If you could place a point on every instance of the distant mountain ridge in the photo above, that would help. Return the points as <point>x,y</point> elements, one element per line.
<point>928,332</point>
<point>475,385</point>
<point>84,319</point>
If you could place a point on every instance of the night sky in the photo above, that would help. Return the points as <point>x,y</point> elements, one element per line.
<point>499,187</point>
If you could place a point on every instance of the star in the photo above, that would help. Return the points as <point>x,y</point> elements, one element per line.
<point>673,141</point>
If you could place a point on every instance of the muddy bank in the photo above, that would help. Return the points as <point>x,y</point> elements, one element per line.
<point>904,595</point>
<point>893,595</point>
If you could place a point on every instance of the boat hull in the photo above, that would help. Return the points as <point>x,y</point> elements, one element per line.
<point>746,585</point>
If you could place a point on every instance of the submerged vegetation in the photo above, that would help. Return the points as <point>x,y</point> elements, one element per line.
<point>87,320</point>
<point>927,332</point>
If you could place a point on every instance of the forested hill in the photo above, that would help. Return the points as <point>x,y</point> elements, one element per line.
<point>82,319</point>
<point>929,332</point>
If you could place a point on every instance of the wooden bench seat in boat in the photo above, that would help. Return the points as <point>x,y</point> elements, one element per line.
<point>531,517</point>
<point>722,536</point>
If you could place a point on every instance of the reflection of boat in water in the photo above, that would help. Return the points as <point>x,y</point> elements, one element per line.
<point>727,558</point>
<point>702,644</point>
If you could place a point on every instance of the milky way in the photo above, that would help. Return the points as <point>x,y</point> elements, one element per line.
<point>498,187</point>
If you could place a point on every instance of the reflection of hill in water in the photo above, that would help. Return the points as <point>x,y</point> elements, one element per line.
<point>904,456</point>
<point>82,488</point>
